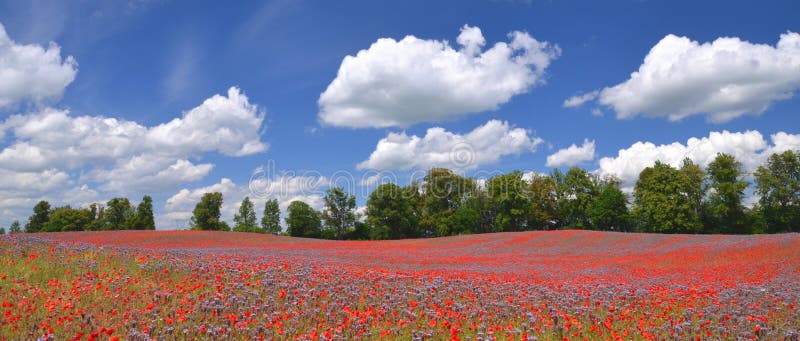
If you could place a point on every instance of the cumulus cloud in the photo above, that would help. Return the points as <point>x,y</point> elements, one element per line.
<point>139,156</point>
<point>486,144</point>
<point>32,72</point>
<point>723,79</point>
<point>749,147</point>
<point>399,83</point>
<point>50,151</point>
<point>572,155</point>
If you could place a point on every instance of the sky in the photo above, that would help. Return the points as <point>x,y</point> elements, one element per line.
<point>283,99</point>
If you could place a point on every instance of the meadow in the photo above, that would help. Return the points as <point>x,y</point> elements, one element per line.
<point>546,285</point>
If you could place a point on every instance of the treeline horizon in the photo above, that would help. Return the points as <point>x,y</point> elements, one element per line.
<point>665,199</point>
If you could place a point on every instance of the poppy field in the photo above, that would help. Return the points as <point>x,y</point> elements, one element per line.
<point>550,285</point>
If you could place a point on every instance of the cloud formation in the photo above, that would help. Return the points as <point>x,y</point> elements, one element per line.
<point>32,72</point>
<point>485,144</point>
<point>572,155</point>
<point>723,79</point>
<point>399,83</point>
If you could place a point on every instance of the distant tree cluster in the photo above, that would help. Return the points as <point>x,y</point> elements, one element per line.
<point>688,199</point>
<point>116,214</point>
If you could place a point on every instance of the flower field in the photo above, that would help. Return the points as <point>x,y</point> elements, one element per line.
<point>560,285</point>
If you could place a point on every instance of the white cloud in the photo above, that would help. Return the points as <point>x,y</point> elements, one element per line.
<point>572,155</point>
<point>750,148</point>
<point>723,79</point>
<point>32,182</point>
<point>578,100</point>
<point>486,144</point>
<point>32,72</point>
<point>150,173</point>
<point>399,83</point>
<point>142,158</point>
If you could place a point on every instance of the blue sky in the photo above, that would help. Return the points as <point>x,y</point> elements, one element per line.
<point>399,106</point>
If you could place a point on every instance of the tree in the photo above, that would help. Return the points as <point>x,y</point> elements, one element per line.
<point>609,209</point>
<point>144,215</point>
<point>662,202</point>
<point>778,185</point>
<point>68,219</point>
<point>302,220</point>
<point>695,190</point>
<point>510,201</point>
<point>271,221</point>
<point>575,191</point>
<point>15,227</point>
<point>543,213</point>
<point>98,217</point>
<point>40,217</point>
<point>119,215</point>
<point>445,192</point>
<point>2,231</point>
<point>390,213</point>
<point>725,209</point>
<point>206,214</point>
<point>245,220</point>
<point>340,211</point>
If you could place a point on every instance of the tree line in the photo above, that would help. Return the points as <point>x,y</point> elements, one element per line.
<point>665,199</point>
<point>116,214</point>
<point>687,199</point>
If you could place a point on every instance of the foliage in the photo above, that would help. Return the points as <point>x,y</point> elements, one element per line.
<point>119,215</point>
<point>662,201</point>
<point>778,185</point>
<point>302,220</point>
<point>575,191</point>
<point>544,212</point>
<point>725,210</point>
<point>390,213</point>
<point>15,227</point>
<point>507,194</point>
<point>245,220</point>
<point>68,219</point>
<point>271,220</point>
<point>609,209</point>
<point>340,211</point>
<point>41,214</point>
<point>144,219</point>
<point>206,214</point>
<point>445,191</point>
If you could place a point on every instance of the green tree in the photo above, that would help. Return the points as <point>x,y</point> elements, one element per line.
<point>390,213</point>
<point>245,220</point>
<point>302,220</point>
<point>15,227</point>
<point>725,209</point>
<point>575,191</point>
<point>609,209</point>
<point>509,198</point>
<point>206,214</point>
<point>2,231</point>
<point>544,213</point>
<point>40,217</point>
<point>119,215</point>
<point>68,219</point>
<point>144,219</point>
<point>778,185</point>
<point>445,192</point>
<point>662,202</point>
<point>271,221</point>
<point>340,211</point>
